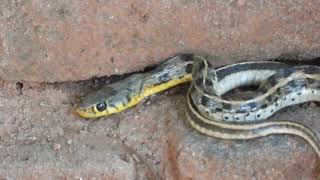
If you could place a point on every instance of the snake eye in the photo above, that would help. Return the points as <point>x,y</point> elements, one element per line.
<point>101,106</point>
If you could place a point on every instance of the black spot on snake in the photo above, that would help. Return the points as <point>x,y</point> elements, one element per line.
<point>292,83</point>
<point>199,82</point>
<point>226,106</point>
<point>189,68</point>
<point>269,98</point>
<point>204,100</point>
<point>164,77</point>
<point>311,81</point>
<point>128,97</point>
<point>218,109</point>
<point>201,65</point>
<point>208,82</point>
<point>92,110</point>
<point>278,90</point>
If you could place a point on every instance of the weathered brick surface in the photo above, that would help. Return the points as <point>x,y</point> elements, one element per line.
<point>48,41</point>
<point>57,40</point>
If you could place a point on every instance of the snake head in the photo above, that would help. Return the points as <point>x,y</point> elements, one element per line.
<point>111,99</point>
<point>97,103</point>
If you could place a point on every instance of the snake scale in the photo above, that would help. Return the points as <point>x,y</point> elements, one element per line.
<point>280,85</point>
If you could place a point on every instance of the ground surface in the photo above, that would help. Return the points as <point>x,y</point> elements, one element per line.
<point>41,137</point>
<point>50,48</point>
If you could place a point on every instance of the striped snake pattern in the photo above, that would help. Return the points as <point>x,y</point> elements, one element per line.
<point>280,86</point>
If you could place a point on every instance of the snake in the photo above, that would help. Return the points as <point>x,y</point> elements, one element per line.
<point>279,85</point>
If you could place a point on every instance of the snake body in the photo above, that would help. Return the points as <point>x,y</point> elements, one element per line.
<point>207,111</point>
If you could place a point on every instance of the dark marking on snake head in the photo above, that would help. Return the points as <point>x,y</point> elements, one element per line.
<point>218,109</point>
<point>164,77</point>
<point>92,110</point>
<point>113,106</point>
<point>128,97</point>
<point>187,57</point>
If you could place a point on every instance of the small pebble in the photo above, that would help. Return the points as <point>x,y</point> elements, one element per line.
<point>32,138</point>
<point>69,142</point>
<point>78,178</point>
<point>43,103</point>
<point>56,147</point>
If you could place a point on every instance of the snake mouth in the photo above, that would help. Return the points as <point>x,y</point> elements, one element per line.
<point>87,113</point>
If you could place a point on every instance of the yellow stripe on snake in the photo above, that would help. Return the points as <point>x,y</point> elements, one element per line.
<point>281,85</point>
